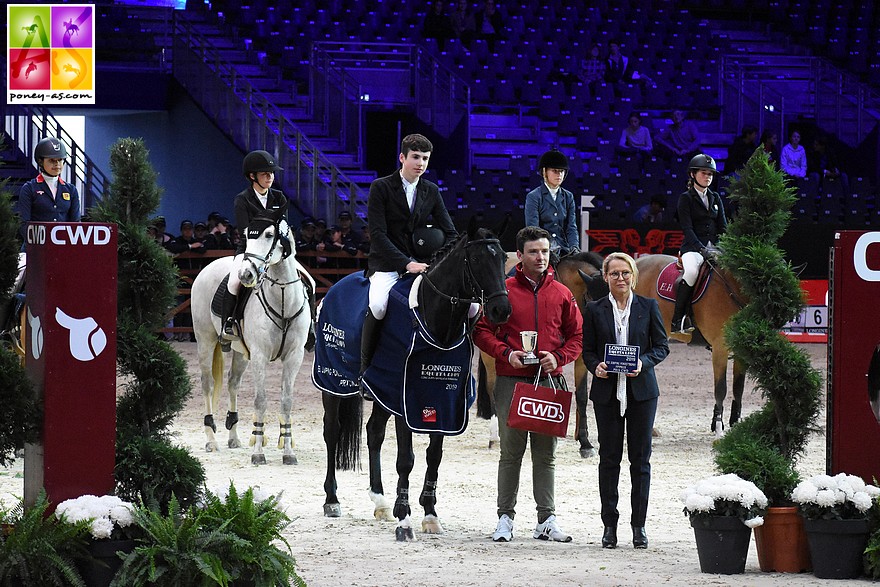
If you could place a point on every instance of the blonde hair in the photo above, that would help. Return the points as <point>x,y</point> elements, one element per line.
<point>620,256</point>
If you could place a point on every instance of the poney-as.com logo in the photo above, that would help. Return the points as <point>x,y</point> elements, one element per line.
<point>50,49</point>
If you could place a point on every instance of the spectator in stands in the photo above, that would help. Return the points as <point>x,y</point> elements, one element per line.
<point>437,25</point>
<point>350,238</point>
<point>822,166</point>
<point>592,68</point>
<point>619,70</point>
<point>187,241</point>
<point>320,229</point>
<point>768,144</point>
<point>552,207</point>
<point>47,197</point>
<point>490,24</point>
<point>154,234</point>
<point>681,139</point>
<point>218,237</point>
<point>213,218</point>
<point>364,247</point>
<point>651,213</point>
<point>167,237</point>
<point>635,138</point>
<point>307,240</point>
<point>793,159</point>
<point>464,25</point>
<point>740,150</point>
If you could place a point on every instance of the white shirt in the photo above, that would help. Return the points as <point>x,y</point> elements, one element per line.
<point>410,190</point>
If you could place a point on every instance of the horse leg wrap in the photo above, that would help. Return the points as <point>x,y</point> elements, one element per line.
<point>231,419</point>
<point>285,433</point>
<point>209,421</point>
<point>429,493</point>
<point>717,418</point>
<point>257,434</point>
<point>401,505</point>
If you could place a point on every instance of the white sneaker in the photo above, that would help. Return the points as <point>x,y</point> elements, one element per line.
<point>504,529</point>
<point>550,530</point>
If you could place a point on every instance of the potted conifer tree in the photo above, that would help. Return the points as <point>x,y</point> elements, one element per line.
<point>765,446</point>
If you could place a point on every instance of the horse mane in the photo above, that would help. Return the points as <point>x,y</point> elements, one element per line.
<point>589,257</point>
<point>443,251</point>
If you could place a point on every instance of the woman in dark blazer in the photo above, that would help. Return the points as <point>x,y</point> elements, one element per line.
<point>624,318</point>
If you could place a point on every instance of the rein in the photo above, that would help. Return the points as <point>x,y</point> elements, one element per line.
<point>472,280</point>
<point>276,317</point>
<point>730,291</point>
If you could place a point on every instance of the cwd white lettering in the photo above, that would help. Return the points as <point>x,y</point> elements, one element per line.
<point>36,235</point>
<point>81,234</point>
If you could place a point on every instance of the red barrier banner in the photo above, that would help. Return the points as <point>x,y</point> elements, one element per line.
<point>71,357</point>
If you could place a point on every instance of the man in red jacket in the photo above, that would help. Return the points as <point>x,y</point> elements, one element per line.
<point>541,304</point>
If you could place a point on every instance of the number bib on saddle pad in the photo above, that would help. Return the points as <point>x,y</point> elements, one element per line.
<point>412,376</point>
<point>338,336</point>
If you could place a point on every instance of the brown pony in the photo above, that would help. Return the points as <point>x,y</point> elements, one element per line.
<point>568,271</point>
<point>721,300</point>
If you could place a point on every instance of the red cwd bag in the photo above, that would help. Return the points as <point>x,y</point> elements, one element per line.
<point>540,409</point>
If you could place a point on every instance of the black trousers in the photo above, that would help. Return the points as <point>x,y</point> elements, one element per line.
<point>639,424</point>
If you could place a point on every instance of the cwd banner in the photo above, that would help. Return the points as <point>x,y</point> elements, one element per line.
<point>50,52</point>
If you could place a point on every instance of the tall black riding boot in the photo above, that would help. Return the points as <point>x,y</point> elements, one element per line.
<point>369,339</point>
<point>227,316</point>
<point>681,322</point>
<point>310,293</point>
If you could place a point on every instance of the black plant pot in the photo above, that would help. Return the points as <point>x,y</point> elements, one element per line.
<point>99,570</point>
<point>836,547</point>
<point>722,543</point>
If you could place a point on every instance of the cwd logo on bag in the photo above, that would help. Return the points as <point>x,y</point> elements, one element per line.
<point>50,52</point>
<point>537,409</point>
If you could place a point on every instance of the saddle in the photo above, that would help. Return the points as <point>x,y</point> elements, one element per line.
<point>244,295</point>
<point>670,276</point>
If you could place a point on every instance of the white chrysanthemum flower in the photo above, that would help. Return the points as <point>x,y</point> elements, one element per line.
<point>754,522</point>
<point>699,503</point>
<point>102,528</point>
<point>862,501</point>
<point>122,515</point>
<point>826,498</point>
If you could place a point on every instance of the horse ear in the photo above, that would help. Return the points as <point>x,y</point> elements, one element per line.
<point>472,228</point>
<point>596,286</point>
<point>502,226</point>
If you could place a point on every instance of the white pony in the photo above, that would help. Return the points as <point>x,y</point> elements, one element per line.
<point>274,325</point>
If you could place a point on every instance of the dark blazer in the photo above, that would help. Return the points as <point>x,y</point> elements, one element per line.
<point>558,217</point>
<point>699,224</point>
<point>645,330</point>
<point>392,224</point>
<point>35,203</point>
<point>247,206</point>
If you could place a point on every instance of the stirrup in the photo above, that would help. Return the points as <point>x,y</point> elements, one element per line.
<point>230,330</point>
<point>684,327</point>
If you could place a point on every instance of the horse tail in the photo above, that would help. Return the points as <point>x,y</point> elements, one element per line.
<point>217,373</point>
<point>348,447</point>
<point>484,402</point>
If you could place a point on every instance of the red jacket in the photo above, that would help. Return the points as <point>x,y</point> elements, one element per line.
<point>550,310</point>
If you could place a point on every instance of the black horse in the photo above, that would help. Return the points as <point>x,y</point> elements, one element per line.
<point>468,271</point>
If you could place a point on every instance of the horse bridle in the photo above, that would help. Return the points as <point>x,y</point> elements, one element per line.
<point>261,271</point>
<point>473,284</point>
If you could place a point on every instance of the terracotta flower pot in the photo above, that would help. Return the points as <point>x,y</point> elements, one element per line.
<point>722,543</point>
<point>782,543</point>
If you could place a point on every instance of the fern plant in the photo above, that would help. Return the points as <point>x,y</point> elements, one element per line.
<point>765,446</point>
<point>257,526</point>
<point>39,550</point>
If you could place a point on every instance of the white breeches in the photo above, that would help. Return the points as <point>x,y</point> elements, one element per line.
<point>381,283</point>
<point>691,262</point>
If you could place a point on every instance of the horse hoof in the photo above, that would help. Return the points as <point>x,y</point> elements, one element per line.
<point>289,460</point>
<point>587,452</point>
<point>332,510</point>
<point>431,525</point>
<point>384,514</point>
<point>233,443</point>
<point>404,534</point>
<point>211,447</point>
<point>259,459</point>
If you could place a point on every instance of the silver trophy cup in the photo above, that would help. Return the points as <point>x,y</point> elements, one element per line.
<point>529,340</point>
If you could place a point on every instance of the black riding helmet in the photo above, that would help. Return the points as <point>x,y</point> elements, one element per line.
<point>257,161</point>
<point>49,148</point>
<point>426,241</point>
<point>702,161</point>
<point>553,159</point>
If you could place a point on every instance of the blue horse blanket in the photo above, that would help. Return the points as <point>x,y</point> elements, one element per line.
<point>411,375</point>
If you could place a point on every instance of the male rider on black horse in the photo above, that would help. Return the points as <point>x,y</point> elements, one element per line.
<point>260,199</point>
<point>398,212</point>
<point>701,216</point>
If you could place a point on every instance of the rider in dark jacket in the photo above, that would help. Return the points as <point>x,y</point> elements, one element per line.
<point>701,216</point>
